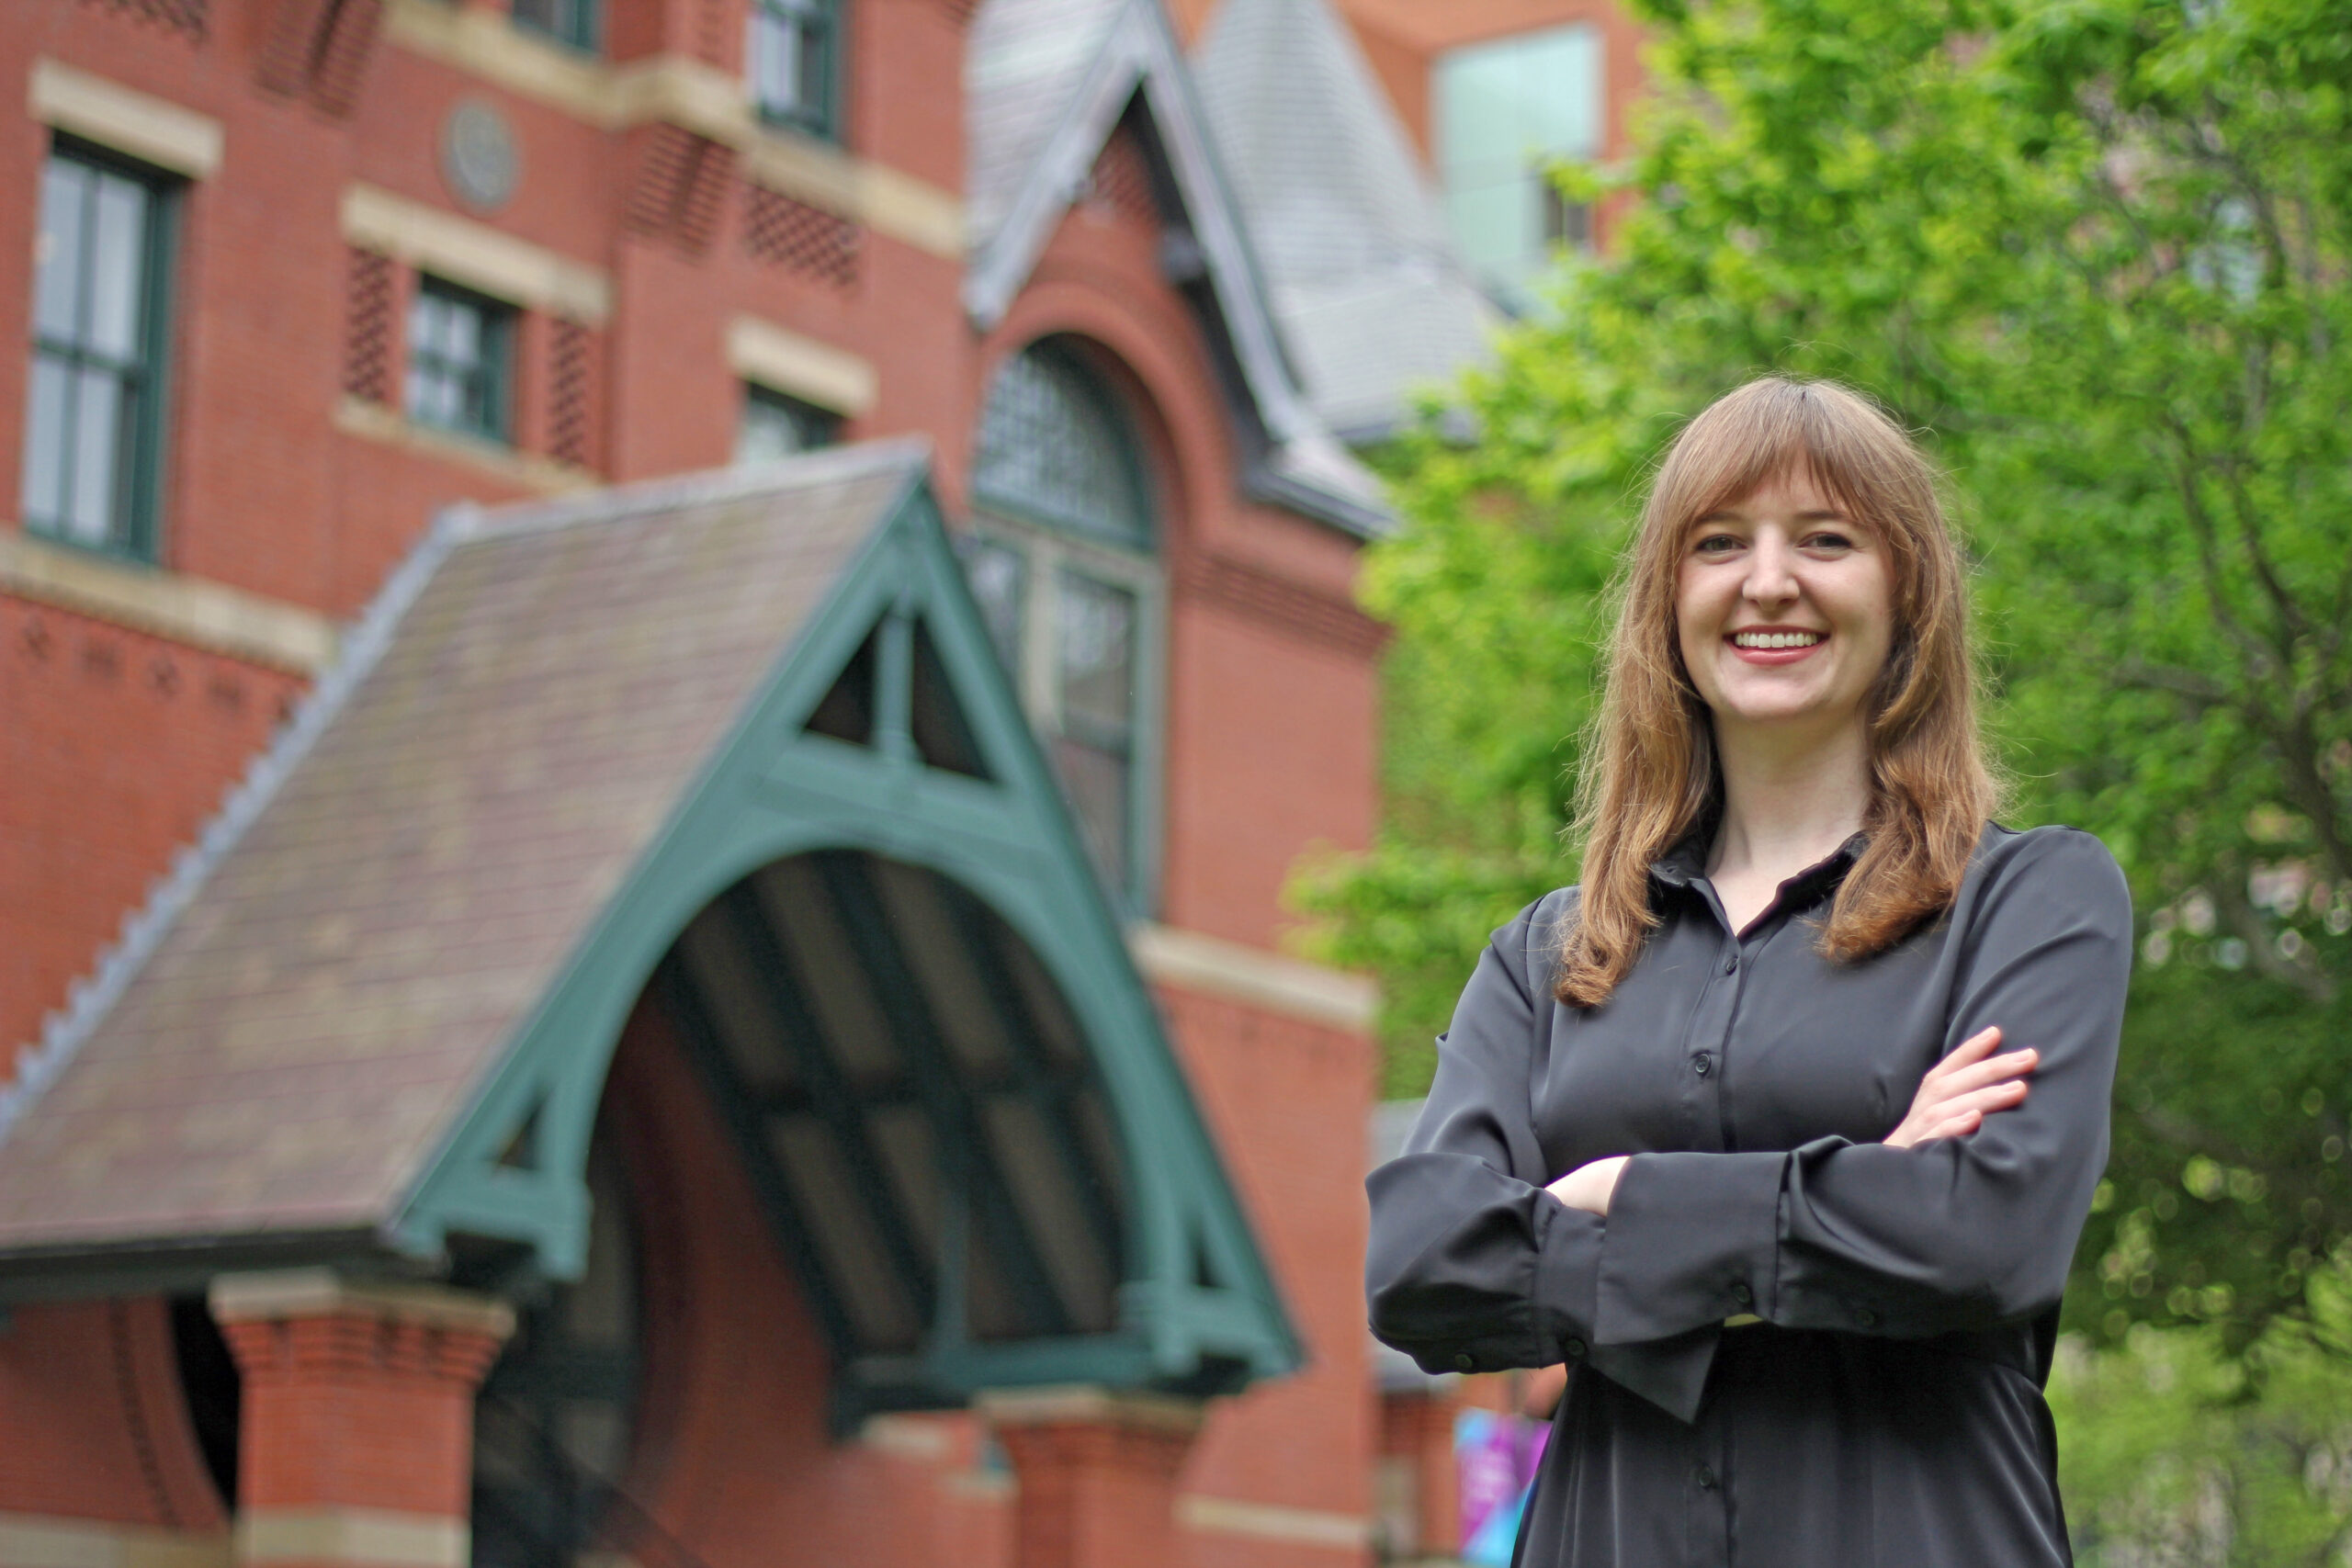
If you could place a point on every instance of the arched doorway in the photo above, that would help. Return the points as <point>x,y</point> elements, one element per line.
<point>909,1089</point>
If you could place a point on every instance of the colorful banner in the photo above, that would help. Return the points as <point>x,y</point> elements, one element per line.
<point>1494,1459</point>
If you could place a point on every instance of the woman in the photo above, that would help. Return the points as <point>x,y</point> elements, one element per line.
<point>1732,1130</point>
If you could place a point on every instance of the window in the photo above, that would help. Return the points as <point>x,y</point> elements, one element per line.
<point>1062,560</point>
<point>575,22</point>
<point>1505,111</point>
<point>93,407</point>
<point>794,69</point>
<point>777,426</point>
<point>458,348</point>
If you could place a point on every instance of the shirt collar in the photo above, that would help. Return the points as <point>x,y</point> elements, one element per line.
<point>1686,863</point>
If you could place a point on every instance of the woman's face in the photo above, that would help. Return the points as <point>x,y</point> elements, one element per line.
<point>1783,609</point>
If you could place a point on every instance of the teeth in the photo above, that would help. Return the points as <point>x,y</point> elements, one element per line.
<point>1776,639</point>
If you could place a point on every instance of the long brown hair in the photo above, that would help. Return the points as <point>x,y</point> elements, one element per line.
<point>1650,776</point>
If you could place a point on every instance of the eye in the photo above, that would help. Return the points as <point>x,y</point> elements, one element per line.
<point>1714,544</point>
<point>1829,541</point>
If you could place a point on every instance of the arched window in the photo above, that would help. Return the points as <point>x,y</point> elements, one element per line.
<point>1062,558</point>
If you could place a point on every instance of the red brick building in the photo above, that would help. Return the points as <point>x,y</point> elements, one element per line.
<point>611,1025</point>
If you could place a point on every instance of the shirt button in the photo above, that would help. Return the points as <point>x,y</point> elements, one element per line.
<point>1743,1295</point>
<point>1465,1363</point>
<point>1706,1479</point>
<point>1731,964</point>
<point>1702,1064</point>
<point>1866,1317</point>
<point>1575,1348</point>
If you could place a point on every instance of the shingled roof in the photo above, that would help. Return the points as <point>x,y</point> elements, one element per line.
<point>327,981</point>
<point>1362,273</point>
<point>1046,84</point>
<point>734,747</point>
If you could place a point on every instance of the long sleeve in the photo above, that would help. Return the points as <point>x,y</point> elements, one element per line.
<point>1958,1234</point>
<point>1472,1265</point>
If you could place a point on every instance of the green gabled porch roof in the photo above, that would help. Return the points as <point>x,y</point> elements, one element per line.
<point>408,942</point>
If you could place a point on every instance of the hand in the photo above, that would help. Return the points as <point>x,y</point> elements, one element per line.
<point>1963,1089</point>
<point>1590,1186</point>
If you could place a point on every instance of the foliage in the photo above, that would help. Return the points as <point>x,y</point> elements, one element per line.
<point>2174,1452</point>
<point>2096,251</point>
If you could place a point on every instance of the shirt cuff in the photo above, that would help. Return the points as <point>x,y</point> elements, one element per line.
<point>1691,1239</point>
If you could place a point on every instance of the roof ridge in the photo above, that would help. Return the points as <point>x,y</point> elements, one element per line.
<point>91,998</point>
<point>702,487</point>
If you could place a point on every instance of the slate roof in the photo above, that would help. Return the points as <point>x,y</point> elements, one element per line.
<point>1046,83</point>
<point>1372,297</point>
<point>276,1051</point>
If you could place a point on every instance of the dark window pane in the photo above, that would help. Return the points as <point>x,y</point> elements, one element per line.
<point>777,426</point>
<point>64,192</point>
<point>457,361</point>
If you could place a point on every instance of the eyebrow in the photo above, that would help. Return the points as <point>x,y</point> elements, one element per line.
<point>1818,515</point>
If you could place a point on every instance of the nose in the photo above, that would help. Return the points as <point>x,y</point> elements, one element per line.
<point>1771,581</point>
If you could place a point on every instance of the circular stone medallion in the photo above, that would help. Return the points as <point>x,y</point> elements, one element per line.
<point>478,155</point>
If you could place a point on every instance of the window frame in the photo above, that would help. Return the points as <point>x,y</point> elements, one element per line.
<point>579,25</point>
<point>135,531</point>
<point>1048,552</point>
<point>823,121</point>
<point>1510,279</point>
<point>501,323</point>
<point>813,419</point>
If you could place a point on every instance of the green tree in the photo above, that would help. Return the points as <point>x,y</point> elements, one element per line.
<point>2096,251</point>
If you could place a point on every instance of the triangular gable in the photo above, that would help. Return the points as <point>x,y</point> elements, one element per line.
<point>1140,62</point>
<point>881,726</point>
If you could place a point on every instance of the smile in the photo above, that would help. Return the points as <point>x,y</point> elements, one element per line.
<point>1777,639</point>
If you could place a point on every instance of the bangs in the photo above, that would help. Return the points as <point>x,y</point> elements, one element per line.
<point>1772,429</point>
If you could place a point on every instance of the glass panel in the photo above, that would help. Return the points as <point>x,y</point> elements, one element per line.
<point>1504,111</point>
<point>1098,663</point>
<point>118,252</point>
<point>809,85</point>
<point>1053,446</point>
<point>97,416</point>
<point>460,334</point>
<point>1000,578</point>
<point>1095,781</point>
<point>45,425</point>
<point>64,189</point>
<point>777,426</point>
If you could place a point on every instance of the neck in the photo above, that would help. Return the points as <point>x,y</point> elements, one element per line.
<point>1789,801</point>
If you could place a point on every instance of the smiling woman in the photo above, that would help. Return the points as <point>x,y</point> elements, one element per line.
<point>1729,1129</point>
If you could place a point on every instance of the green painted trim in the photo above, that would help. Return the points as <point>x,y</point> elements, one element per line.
<point>771,790</point>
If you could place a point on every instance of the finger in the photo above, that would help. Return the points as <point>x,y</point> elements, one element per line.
<point>1957,1127</point>
<point>1998,1097</point>
<point>1969,1052</point>
<point>2014,1064</point>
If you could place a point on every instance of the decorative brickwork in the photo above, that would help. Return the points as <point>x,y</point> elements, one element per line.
<point>357,1398</point>
<point>1097,1475</point>
<point>318,49</point>
<point>190,18</point>
<point>799,238</point>
<point>367,327</point>
<point>680,186</point>
<point>571,395</point>
<point>1122,181</point>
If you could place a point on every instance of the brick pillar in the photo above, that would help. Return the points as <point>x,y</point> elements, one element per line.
<point>1097,1472</point>
<point>356,1440</point>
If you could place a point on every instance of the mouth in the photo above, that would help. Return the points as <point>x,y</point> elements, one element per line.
<point>1775,645</point>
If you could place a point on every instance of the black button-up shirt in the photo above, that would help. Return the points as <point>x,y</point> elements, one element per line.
<point>1876,1400</point>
